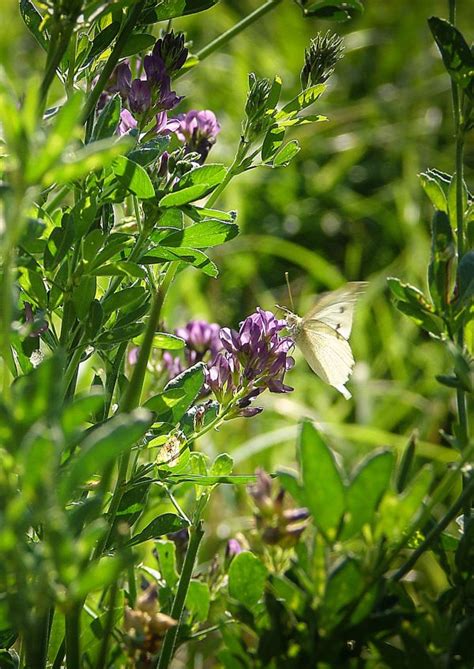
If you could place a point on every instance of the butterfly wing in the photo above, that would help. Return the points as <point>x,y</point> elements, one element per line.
<point>336,309</point>
<point>328,354</point>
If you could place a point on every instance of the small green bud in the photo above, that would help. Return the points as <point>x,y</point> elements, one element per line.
<point>320,59</point>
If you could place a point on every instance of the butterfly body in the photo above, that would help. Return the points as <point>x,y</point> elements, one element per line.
<point>322,335</point>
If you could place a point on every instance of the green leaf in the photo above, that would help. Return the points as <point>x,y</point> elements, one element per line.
<point>58,138</point>
<point>397,513</point>
<point>334,10</point>
<point>322,483</point>
<point>102,447</point>
<point>222,465</point>
<point>126,298</point>
<point>167,341</point>
<point>202,235</point>
<point>466,278</point>
<point>83,295</point>
<point>102,41</point>
<point>133,177</point>
<point>194,185</point>
<point>98,575</point>
<point>272,142</point>
<point>247,578</point>
<point>146,153</point>
<point>286,154</point>
<point>37,394</point>
<point>164,524</point>
<point>455,52</point>
<point>178,395</point>
<point>80,411</point>
<point>137,43</point>
<point>33,21</point>
<point>120,333</point>
<point>302,100</point>
<point>81,163</point>
<point>442,261</point>
<point>434,191</point>
<point>365,491</point>
<point>198,600</point>
<point>193,257</point>
<point>345,585</point>
<point>412,302</point>
<point>108,120</point>
<point>166,554</point>
<point>170,9</point>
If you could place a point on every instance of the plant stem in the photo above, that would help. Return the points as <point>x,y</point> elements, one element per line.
<point>109,623</point>
<point>73,633</point>
<point>232,32</point>
<point>196,535</point>
<point>463,433</point>
<point>468,490</point>
<point>132,396</point>
<point>65,32</point>
<point>124,34</point>
<point>231,172</point>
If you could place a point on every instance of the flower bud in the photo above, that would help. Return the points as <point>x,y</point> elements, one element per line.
<point>320,58</point>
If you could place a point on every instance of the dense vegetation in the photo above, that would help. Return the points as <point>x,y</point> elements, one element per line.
<point>177,488</point>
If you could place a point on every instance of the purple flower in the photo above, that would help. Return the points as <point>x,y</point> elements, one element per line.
<point>197,130</point>
<point>139,97</point>
<point>254,359</point>
<point>155,70</point>
<point>232,549</point>
<point>167,99</point>
<point>127,122</point>
<point>172,365</point>
<point>201,337</point>
<point>171,50</point>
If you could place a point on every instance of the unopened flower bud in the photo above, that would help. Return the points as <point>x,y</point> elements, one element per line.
<point>320,59</point>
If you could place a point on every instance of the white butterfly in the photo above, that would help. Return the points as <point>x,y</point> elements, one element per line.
<point>322,335</point>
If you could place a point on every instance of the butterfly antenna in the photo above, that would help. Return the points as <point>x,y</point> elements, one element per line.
<point>287,279</point>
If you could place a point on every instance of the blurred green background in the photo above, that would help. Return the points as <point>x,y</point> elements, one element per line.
<point>348,208</point>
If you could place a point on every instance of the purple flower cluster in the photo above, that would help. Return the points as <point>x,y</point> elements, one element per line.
<point>197,130</point>
<point>276,522</point>
<point>151,94</point>
<point>254,359</point>
<point>202,339</point>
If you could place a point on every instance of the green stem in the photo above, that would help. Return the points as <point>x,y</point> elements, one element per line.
<point>66,31</point>
<point>196,535</point>
<point>132,397</point>
<point>463,432</point>
<point>231,172</point>
<point>127,27</point>
<point>73,633</point>
<point>109,624</point>
<point>436,530</point>
<point>232,32</point>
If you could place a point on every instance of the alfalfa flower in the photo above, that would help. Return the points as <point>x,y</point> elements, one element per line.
<point>277,523</point>
<point>171,50</point>
<point>254,359</point>
<point>197,130</point>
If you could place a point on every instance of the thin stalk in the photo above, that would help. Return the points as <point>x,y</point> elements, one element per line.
<point>463,420</point>
<point>228,35</point>
<point>231,172</point>
<point>53,64</point>
<point>132,396</point>
<point>436,530</point>
<point>196,535</point>
<point>109,624</point>
<point>113,59</point>
<point>73,633</point>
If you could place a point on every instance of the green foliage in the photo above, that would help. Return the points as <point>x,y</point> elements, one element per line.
<point>114,445</point>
